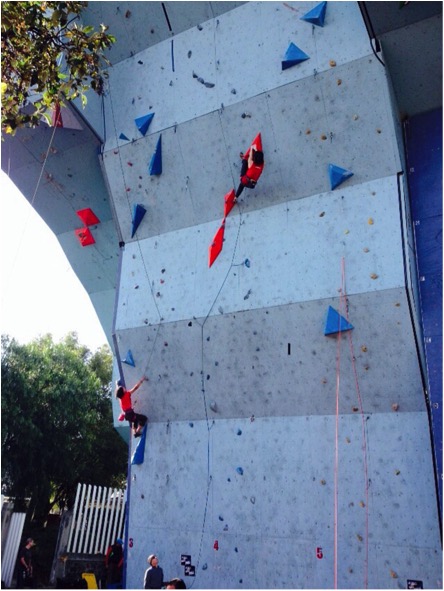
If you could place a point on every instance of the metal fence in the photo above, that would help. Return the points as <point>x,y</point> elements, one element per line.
<point>98,519</point>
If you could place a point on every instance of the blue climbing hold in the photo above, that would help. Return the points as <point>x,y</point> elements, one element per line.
<point>316,15</point>
<point>143,123</point>
<point>138,212</point>
<point>239,471</point>
<point>239,432</point>
<point>122,136</point>
<point>139,452</point>
<point>156,159</point>
<point>293,56</point>
<point>247,263</point>
<point>335,323</point>
<point>337,175</point>
<point>129,359</point>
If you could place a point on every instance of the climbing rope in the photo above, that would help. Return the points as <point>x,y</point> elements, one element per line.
<point>344,311</point>
<point>150,284</point>
<point>36,188</point>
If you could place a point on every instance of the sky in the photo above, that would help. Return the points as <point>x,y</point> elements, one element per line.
<point>40,293</point>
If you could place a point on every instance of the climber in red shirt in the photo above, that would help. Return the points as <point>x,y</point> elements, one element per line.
<point>252,167</point>
<point>136,420</point>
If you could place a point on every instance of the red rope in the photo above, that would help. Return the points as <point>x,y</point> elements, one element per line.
<point>343,309</point>
<point>336,469</point>
<point>364,451</point>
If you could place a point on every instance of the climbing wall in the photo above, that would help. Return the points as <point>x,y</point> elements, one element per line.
<point>280,452</point>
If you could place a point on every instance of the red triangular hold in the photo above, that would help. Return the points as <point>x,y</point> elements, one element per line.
<point>229,201</point>
<point>85,237</point>
<point>216,246</point>
<point>88,217</point>
<point>258,142</point>
<point>57,117</point>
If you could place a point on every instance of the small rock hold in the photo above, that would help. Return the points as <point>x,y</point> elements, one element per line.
<point>339,82</point>
<point>370,221</point>
<point>374,276</point>
<point>393,574</point>
<point>359,538</point>
<point>307,131</point>
<point>213,407</point>
<point>323,482</point>
<point>323,136</point>
<point>364,349</point>
<point>321,215</point>
<point>395,407</point>
<point>190,53</point>
<point>332,63</point>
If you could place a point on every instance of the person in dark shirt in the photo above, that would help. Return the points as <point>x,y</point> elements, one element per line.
<point>25,575</point>
<point>154,574</point>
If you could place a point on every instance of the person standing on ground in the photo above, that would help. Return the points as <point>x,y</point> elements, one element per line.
<point>114,565</point>
<point>25,575</point>
<point>154,574</point>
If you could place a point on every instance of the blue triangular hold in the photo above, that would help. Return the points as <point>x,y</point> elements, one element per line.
<point>156,159</point>
<point>138,212</point>
<point>335,323</point>
<point>144,122</point>
<point>337,175</point>
<point>122,136</point>
<point>293,56</point>
<point>139,452</point>
<point>316,16</point>
<point>129,360</point>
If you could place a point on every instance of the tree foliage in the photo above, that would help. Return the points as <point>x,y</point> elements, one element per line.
<point>57,426</point>
<point>47,57</point>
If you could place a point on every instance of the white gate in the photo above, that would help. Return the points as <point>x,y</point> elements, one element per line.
<point>10,551</point>
<point>98,519</point>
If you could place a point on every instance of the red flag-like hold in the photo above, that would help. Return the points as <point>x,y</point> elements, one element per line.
<point>257,143</point>
<point>88,217</point>
<point>216,246</point>
<point>230,199</point>
<point>85,237</point>
<point>57,117</point>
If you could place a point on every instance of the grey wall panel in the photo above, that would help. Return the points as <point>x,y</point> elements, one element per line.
<point>277,362</point>
<point>284,498</point>
<point>357,223</point>
<point>167,80</point>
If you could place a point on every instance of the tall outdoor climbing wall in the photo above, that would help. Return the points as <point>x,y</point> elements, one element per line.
<point>280,452</point>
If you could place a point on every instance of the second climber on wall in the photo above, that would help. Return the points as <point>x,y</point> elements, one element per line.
<point>252,167</point>
<point>137,421</point>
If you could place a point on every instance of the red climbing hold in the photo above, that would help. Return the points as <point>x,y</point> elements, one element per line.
<point>229,201</point>
<point>88,217</point>
<point>257,143</point>
<point>216,545</point>
<point>216,246</point>
<point>85,237</point>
